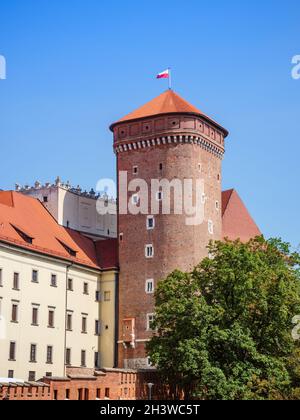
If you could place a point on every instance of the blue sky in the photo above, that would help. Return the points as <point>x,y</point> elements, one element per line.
<point>73,67</point>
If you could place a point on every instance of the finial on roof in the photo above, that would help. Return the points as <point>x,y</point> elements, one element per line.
<point>58,181</point>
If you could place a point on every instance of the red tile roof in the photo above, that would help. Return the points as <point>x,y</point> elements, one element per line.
<point>107,252</point>
<point>237,223</point>
<point>30,217</point>
<point>168,102</point>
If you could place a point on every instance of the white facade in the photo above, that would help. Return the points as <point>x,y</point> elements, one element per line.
<point>17,326</point>
<point>76,210</point>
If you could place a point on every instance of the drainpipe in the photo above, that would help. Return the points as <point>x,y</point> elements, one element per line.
<point>66,307</point>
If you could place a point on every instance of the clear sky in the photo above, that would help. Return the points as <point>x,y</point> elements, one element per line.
<point>75,66</point>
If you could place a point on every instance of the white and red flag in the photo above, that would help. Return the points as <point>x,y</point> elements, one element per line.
<point>164,74</point>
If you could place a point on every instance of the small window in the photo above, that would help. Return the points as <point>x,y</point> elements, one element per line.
<point>149,251</point>
<point>83,358</point>
<point>150,319</point>
<point>84,325</point>
<point>199,167</point>
<point>107,296</point>
<point>48,374</point>
<point>135,199</point>
<point>45,199</point>
<point>150,222</point>
<point>14,312</point>
<point>68,357</point>
<point>97,296</point>
<point>135,170</point>
<point>218,177</point>
<point>97,327</point>
<point>97,360</point>
<point>34,277</point>
<point>98,394</point>
<point>217,206</point>
<point>35,313</point>
<point>49,355</point>
<point>69,322</point>
<point>159,195</point>
<point>12,350</point>
<point>70,285</point>
<point>210,227</point>
<point>149,286</point>
<point>10,374</point>
<point>31,376</point>
<point>32,353</point>
<point>53,280</point>
<point>85,288</point>
<point>67,394</point>
<point>203,198</point>
<point>107,393</point>
<point>160,166</point>
<point>121,237</point>
<point>51,318</point>
<point>16,282</point>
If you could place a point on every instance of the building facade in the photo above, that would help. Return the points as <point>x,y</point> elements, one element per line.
<point>76,209</point>
<point>57,304</point>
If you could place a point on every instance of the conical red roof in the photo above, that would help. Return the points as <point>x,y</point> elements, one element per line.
<point>168,102</point>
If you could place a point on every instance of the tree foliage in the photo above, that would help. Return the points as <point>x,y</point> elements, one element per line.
<point>224,330</point>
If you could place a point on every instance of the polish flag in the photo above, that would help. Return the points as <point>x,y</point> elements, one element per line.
<point>164,75</point>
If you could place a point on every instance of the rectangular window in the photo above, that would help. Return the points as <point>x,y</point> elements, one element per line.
<point>150,222</point>
<point>135,170</point>
<point>69,322</point>
<point>68,357</point>
<point>98,393</point>
<point>106,392</point>
<point>53,282</point>
<point>67,394</point>
<point>97,296</point>
<point>83,358</point>
<point>48,374</point>
<point>1,278</point>
<point>35,276</point>
<point>51,318</point>
<point>32,353</point>
<point>84,324</point>
<point>107,296</point>
<point>10,374</point>
<point>49,354</point>
<point>97,362</point>
<point>159,195</point>
<point>160,166</point>
<point>97,327</point>
<point>150,319</point>
<point>16,283</point>
<point>85,288</point>
<point>70,285</point>
<point>149,286</point>
<point>31,376</point>
<point>14,313</point>
<point>35,316</point>
<point>12,350</point>
<point>149,251</point>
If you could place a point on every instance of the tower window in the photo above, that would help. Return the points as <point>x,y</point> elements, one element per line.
<point>135,170</point>
<point>217,205</point>
<point>150,222</point>
<point>121,237</point>
<point>149,251</point>
<point>135,199</point>
<point>149,286</point>
<point>150,319</point>
<point>160,166</point>
<point>45,199</point>
<point>199,167</point>
<point>210,227</point>
<point>159,195</point>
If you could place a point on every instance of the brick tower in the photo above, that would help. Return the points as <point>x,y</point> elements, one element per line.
<point>168,139</point>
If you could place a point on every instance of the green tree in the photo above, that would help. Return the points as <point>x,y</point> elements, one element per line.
<point>224,330</point>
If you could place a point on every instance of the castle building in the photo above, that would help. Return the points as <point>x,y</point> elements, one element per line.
<point>166,139</point>
<point>76,209</point>
<point>57,294</point>
<point>77,287</point>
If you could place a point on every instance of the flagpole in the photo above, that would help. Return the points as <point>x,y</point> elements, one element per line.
<point>170,78</point>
